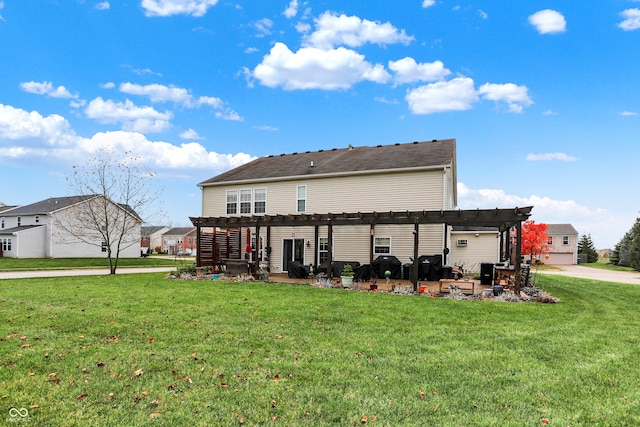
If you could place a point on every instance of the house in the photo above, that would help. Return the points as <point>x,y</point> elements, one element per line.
<point>352,204</point>
<point>53,228</point>
<point>179,241</point>
<point>473,246</point>
<point>383,178</point>
<point>151,238</point>
<point>562,244</point>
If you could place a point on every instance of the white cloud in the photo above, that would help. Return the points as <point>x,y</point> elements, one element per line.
<point>181,96</point>
<point>46,88</point>
<point>313,68</point>
<point>103,5</point>
<point>164,155</point>
<point>628,113</point>
<point>158,93</point>
<point>132,117</point>
<point>384,100</point>
<point>631,19</point>
<point>551,156</point>
<point>176,7</point>
<point>303,27</point>
<point>264,26</point>
<point>251,50</point>
<point>428,3</point>
<point>190,134</point>
<point>408,71</point>
<point>516,97</point>
<point>291,10</point>
<point>52,139</point>
<point>549,113</point>
<point>17,124</point>
<point>266,128</point>
<point>333,30</point>
<point>454,95</point>
<point>229,114</point>
<point>108,85</point>
<point>482,14</point>
<point>605,228</point>
<point>548,22</point>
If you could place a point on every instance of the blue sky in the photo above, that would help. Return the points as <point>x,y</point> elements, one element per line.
<point>542,97</point>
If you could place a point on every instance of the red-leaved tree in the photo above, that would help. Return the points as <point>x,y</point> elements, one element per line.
<point>534,239</point>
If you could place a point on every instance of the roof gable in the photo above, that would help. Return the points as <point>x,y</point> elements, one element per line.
<point>179,231</point>
<point>47,206</point>
<point>564,229</point>
<point>341,161</point>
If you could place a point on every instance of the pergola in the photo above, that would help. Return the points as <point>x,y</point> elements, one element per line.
<point>502,219</point>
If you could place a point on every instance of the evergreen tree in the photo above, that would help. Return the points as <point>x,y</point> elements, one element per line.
<point>634,246</point>
<point>627,252</point>
<point>585,246</point>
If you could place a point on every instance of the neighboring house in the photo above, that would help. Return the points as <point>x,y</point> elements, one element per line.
<point>473,246</point>
<point>401,177</point>
<point>562,244</point>
<point>39,230</point>
<point>152,237</point>
<point>179,241</point>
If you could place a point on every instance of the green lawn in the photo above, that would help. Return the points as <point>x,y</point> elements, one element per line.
<point>16,264</point>
<point>145,350</point>
<point>604,264</point>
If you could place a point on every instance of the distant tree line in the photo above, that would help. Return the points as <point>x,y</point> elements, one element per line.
<point>627,251</point>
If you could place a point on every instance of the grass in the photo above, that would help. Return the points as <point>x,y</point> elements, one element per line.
<point>604,264</point>
<point>144,350</point>
<point>17,264</point>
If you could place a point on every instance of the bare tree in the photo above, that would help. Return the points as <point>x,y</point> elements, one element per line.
<point>112,195</point>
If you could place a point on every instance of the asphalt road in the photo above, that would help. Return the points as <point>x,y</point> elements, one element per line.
<point>593,273</point>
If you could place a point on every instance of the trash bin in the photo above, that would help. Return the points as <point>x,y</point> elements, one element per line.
<point>486,273</point>
<point>407,269</point>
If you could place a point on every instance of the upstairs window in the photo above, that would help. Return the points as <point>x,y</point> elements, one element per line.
<point>37,219</point>
<point>565,240</point>
<point>301,205</point>
<point>232,202</point>
<point>260,200</point>
<point>19,221</point>
<point>549,240</point>
<point>2,223</point>
<point>245,201</point>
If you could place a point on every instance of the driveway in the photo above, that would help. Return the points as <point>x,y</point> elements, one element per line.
<point>594,274</point>
<point>79,272</point>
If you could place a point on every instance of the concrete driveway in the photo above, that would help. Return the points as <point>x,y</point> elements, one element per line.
<point>593,273</point>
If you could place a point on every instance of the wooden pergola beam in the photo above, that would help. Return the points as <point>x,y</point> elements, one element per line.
<point>503,219</point>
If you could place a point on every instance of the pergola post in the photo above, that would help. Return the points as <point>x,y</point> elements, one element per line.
<point>414,272</point>
<point>518,264</point>
<point>330,250</point>
<point>198,260</point>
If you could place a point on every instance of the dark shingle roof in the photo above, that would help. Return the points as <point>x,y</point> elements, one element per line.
<point>179,231</point>
<point>564,229</point>
<point>151,229</point>
<point>49,205</point>
<point>345,160</point>
<point>54,204</point>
